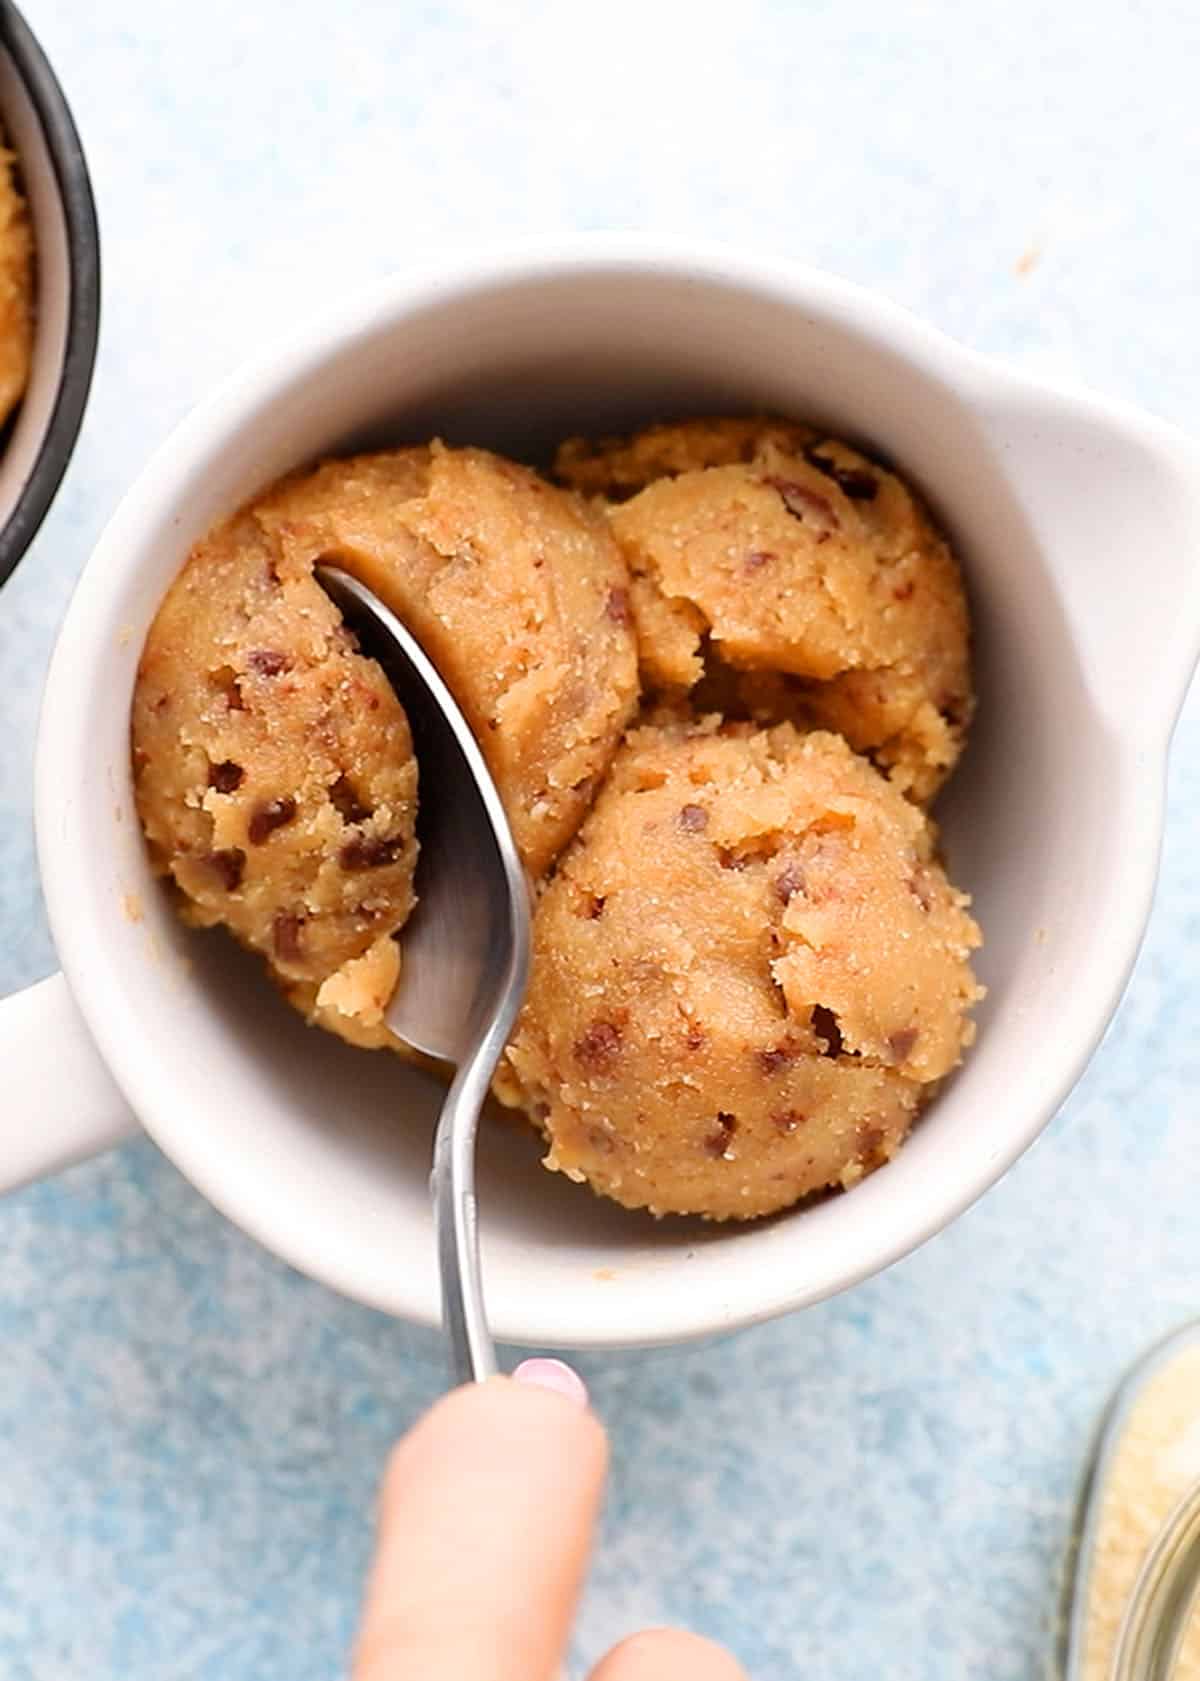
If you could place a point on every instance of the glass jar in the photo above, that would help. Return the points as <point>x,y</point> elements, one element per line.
<point>1132,1594</point>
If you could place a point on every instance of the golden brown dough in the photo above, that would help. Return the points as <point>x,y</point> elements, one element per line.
<point>514,588</point>
<point>274,772</point>
<point>16,289</point>
<point>779,574</point>
<point>617,468</point>
<point>276,781</point>
<point>750,973</point>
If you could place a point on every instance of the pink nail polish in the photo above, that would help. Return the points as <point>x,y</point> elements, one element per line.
<point>553,1374</point>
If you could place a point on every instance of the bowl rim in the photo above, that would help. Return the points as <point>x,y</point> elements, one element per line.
<point>295,356</point>
<point>83,305</point>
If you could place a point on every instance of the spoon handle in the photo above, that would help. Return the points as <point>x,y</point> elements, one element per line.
<point>456,1219</point>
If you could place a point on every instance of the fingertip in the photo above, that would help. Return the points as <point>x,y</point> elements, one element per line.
<point>555,1375</point>
<point>664,1654</point>
<point>497,1487</point>
<point>540,1407</point>
<point>525,1415</point>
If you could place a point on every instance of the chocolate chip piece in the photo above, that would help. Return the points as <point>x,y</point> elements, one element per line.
<point>224,681</point>
<point>596,907</point>
<point>788,883</point>
<point>857,485</point>
<point>347,803</point>
<point>692,819</point>
<point>229,864</point>
<point>269,816</point>
<point>904,591</point>
<point>718,1141</point>
<point>854,482</point>
<point>870,1140</point>
<point>805,504</point>
<point>597,1047</point>
<point>901,1044</point>
<point>226,777</point>
<point>775,1057</point>
<point>756,560</point>
<point>286,934</point>
<point>268,662</point>
<point>370,852</point>
<point>788,1121</point>
<point>825,1026</point>
<point>617,606</point>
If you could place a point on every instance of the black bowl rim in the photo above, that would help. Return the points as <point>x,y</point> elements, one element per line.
<point>83,308</point>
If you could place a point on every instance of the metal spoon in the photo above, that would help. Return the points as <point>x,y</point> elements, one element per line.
<point>465,947</point>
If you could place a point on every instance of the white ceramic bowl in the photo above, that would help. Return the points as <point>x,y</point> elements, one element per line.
<point>38,440</point>
<point>1079,524</point>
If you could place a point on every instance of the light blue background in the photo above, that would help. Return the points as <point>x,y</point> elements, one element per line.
<point>190,1434</point>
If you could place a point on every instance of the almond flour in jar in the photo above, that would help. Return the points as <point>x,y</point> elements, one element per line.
<point>1149,1462</point>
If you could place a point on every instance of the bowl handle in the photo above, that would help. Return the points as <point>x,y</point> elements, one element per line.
<point>1112,496</point>
<point>60,1104</point>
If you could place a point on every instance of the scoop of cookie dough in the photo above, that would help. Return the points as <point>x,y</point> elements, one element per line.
<point>274,773</point>
<point>516,590</point>
<point>275,776</point>
<point>750,973</point>
<point>779,574</point>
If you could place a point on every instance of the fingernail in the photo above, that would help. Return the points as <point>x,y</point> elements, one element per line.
<point>553,1374</point>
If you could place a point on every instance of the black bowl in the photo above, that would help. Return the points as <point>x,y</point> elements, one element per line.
<point>36,444</point>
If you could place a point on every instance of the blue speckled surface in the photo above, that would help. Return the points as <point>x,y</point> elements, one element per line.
<point>190,1434</point>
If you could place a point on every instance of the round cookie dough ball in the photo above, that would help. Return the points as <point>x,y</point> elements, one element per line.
<point>516,590</point>
<point>274,774</point>
<point>779,574</point>
<point>16,289</point>
<point>750,972</point>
